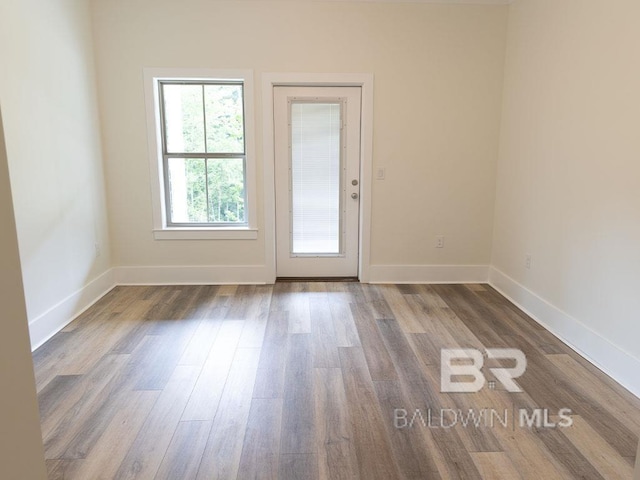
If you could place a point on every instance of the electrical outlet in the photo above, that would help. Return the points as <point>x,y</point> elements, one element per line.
<point>527,261</point>
<point>380,173</point>
<point>98,250</point>
<point>439,241</point>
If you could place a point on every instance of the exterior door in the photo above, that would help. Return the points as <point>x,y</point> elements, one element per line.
<point>317,175</point>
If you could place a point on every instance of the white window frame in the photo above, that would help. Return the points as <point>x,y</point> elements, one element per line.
<point>162,231</point>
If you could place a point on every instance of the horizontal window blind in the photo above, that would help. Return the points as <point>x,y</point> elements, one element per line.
<point>315,178</point>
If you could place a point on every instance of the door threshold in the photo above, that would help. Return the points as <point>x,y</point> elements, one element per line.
<point>317,279</point>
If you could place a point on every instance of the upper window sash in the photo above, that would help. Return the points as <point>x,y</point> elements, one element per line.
<point>205,151</point>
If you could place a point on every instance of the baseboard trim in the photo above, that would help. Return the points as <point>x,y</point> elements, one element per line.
<point>608,357</point>
<point>45,326</point>
<point>193,275</point>
<point>428,274</point>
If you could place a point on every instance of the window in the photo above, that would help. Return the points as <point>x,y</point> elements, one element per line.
<point>201,155</point>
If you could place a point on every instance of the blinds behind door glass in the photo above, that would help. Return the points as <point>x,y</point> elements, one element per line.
<point>315,178</point>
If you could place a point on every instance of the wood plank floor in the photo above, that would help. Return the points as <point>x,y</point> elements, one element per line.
<point>319,381</point>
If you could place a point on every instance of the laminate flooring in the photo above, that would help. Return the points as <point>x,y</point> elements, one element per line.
<point>321,381</point>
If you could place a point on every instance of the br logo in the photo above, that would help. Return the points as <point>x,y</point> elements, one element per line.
<point>468,362</point>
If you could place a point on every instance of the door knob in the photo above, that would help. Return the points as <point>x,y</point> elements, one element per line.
<point>354,196</point>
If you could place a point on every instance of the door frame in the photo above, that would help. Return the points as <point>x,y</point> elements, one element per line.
<point>362,80</point>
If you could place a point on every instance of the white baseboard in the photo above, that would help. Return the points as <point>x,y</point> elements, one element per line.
<point>259,274</point>
<point>608,357</point>
<point>192,275</point>
<point>428,273</point>
<point>45,326</point>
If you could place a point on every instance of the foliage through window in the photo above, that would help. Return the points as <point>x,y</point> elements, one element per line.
<point>204,154</point>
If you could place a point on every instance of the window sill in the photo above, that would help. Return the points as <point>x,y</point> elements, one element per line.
<point>206,234</point>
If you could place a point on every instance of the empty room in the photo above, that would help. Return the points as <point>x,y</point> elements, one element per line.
<point>319,239</point>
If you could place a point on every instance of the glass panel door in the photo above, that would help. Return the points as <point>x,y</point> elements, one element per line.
<point>316,186</point>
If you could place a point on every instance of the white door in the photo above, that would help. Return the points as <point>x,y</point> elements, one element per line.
<point>317,167</point>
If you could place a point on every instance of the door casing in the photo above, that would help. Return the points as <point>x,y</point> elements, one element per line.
<point>365,81</point>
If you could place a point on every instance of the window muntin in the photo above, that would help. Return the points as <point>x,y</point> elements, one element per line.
<point>203,152</point>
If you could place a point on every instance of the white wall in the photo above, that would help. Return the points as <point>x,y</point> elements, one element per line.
<point>438,82</point>
<point>47,90</point>
<point>569,175</point>
<point>21,455</point>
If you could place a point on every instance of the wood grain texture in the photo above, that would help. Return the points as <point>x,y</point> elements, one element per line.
<point>203,402</point>
<point>402,310</point>
<point>298,420</point>
<point>182,459</point>
<point>325,343</point>
<point>343,324</point>
<point>298,466</point>
<point>270,378</point>
<point>309,380</point>
<point>583,380</point>
<point>336,452</point>
<point>373,448</point>
<point>150,446</point>
<point>261,450</point>
<point>413,458</point>
<point>221,457</point>
<point>378,359</point>
<point>114,443</point>
<point>597,450</point>
<point>495,465</point>
<point>66,421</point>
<point>636,471</point>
